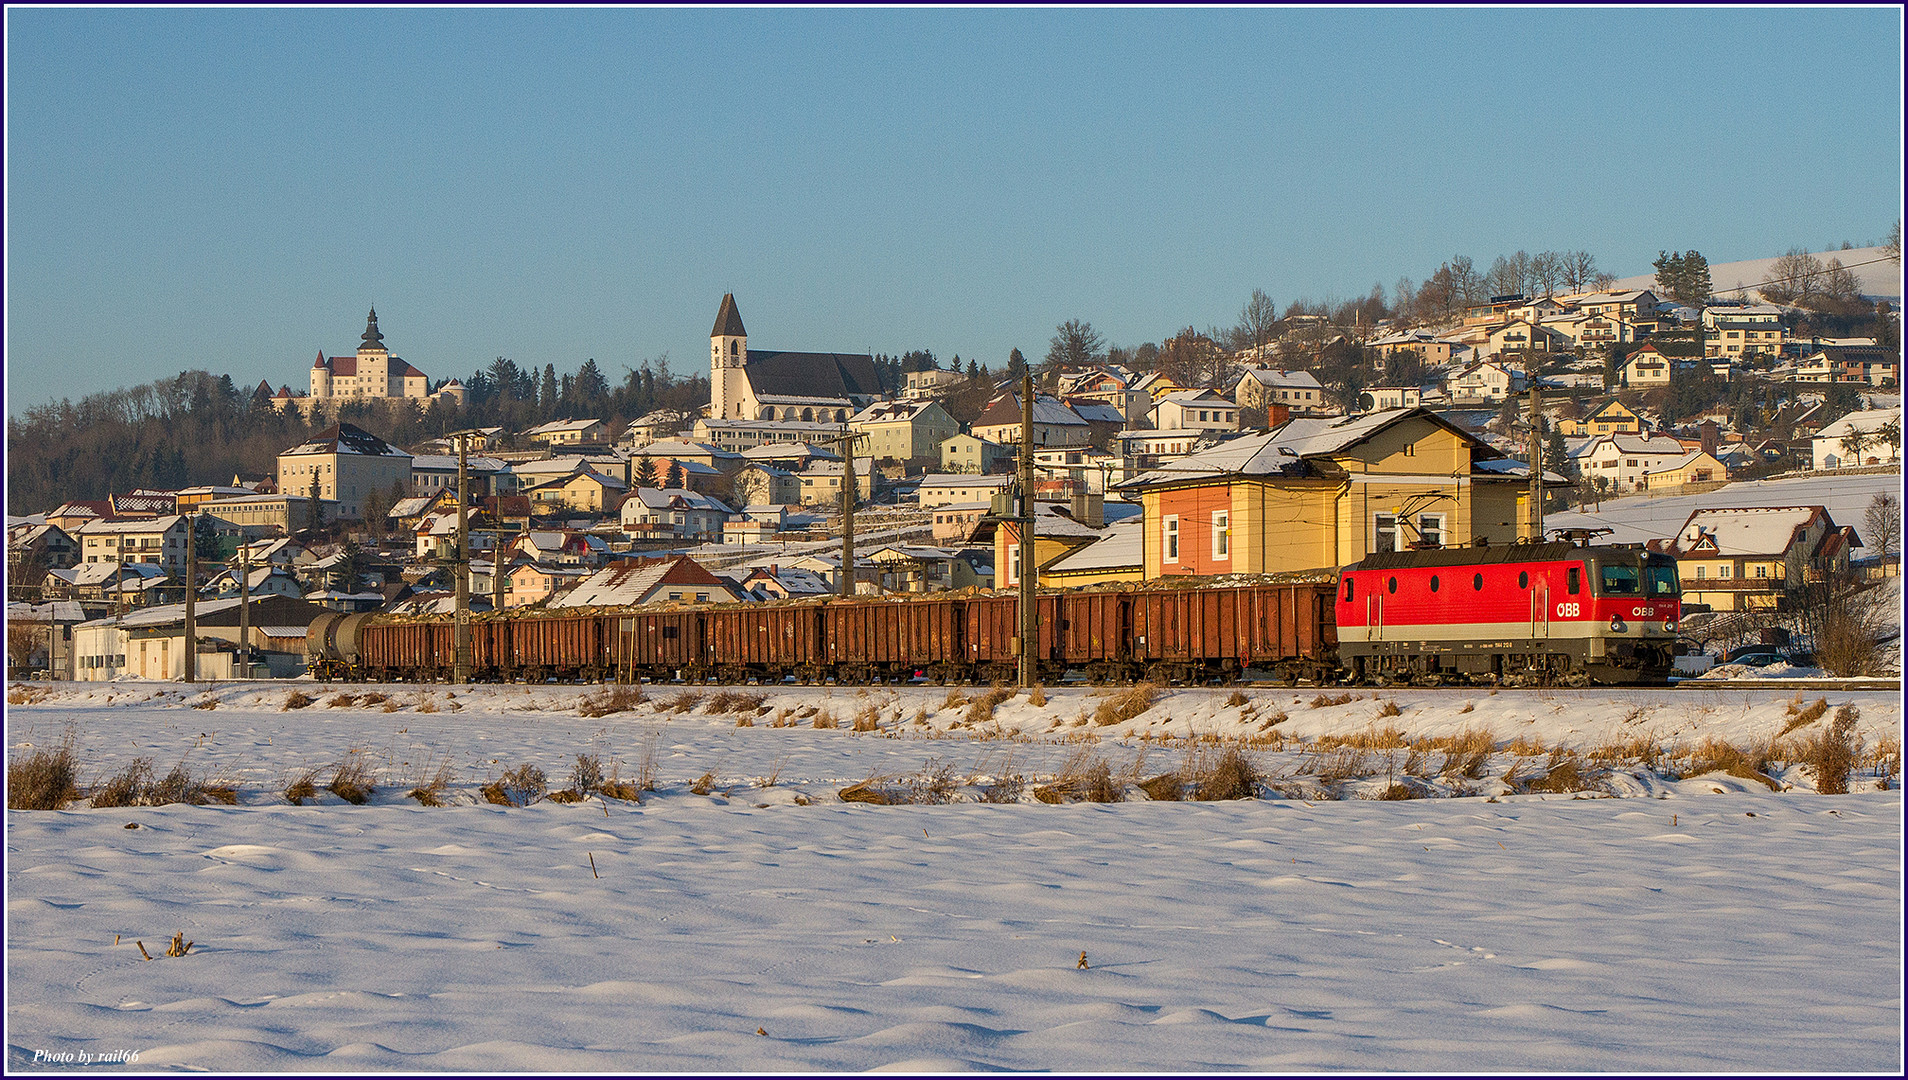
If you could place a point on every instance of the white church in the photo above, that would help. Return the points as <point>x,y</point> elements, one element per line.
<point>759,384</point>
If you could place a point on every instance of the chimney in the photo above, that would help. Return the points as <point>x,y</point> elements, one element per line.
<point>1277,413</point>
<point>1089,508</point>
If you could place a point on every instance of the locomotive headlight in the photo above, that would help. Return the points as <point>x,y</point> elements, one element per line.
<point>1669,626</point>
<point>1616,623</point>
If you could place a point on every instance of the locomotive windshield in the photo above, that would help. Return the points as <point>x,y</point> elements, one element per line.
<point>1619,580</point>
<point>1661,579</point>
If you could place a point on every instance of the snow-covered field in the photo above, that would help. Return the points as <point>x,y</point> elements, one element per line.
<point>1709,920</point>
<point>1639,518</point>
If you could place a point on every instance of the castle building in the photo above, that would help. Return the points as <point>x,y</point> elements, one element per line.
<point>371,372</point>
<point>759,384</point>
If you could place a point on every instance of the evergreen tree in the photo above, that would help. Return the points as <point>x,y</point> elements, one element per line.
<point>1016,365</point>
<point>547,393</point>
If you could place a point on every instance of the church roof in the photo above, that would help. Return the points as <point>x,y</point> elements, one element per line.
<point>807,374</point>
<point>728,320</point>
<point>372,338</point>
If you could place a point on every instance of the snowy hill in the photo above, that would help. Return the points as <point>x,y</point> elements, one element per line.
<point>1638,518</point>
<point>1881,277</point>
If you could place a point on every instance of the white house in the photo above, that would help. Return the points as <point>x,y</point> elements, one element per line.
<point>1860,438</point>
<point>1195,410</point>
<point>1624,460</point>
<point>677,511</point>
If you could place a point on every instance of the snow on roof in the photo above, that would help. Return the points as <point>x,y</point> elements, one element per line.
<point>1280,377</point>
<point>1006,409</point>
<point>616,586</point>
<point>1120,545</point>
<point>131,525</point>
<point>555,426</point>
<point>1867,422</point>
<point>1280,450</point>
<point>1748,530</point>
<point>961,480</point>
<point>678,499</point>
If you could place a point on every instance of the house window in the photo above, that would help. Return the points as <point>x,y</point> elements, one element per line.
<point>1384,532</point>
<point>1699,573</point>
<point>1222,534</point>
<point>1431,529</point>
<point>1762,571</point>
<point>1169,539</point>
<point>1722,571</point>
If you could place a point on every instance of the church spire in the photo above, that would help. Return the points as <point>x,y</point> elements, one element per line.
<point>728,320</point>
<point>372,339</point>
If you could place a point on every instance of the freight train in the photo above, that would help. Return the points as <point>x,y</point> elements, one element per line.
<point>1537,614</point>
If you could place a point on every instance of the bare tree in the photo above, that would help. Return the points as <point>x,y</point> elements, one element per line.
<point>1892,246</point>
<point>1881,526</point>
<point>1579,270</point>
<point>1796,276</point>
<point>1076,344</point>
<point>1547,272</point>
<point>1256,322</point>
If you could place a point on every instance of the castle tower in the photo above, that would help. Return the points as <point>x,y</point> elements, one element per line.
<point>374,362</point>
<point>728,354</point>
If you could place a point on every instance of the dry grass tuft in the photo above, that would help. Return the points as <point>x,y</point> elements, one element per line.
<point>431,792</point>
<point>875,791</point>
<point>1224,773</point>
<point>1372,737</point>
<point>373,698</point>
<point>28,695</point>
<point>646,767</point>
<point>1324,701</point>
<point>683,702</point>
<point>1236,699</point>
<point>745,720</point>
<point>1126,704</point>
<point>586,775</point>
<point>825,720</point>
<point>1799,717</point>
<point>1397,792</point>
<point>1037,697</point>
<point>704,784</point>
<point>1166,787</point>
<point>1469,706</point>
<point>1564,773</point>
<point>614,698</point>
<point>1714,755</point>
<point>1833,753</point>
<point>297,699</point>
<point>867,718</point>
<point>934,785</point>
<point>126,788</point>
<point>1084,775</point>
<point>1465,753</point>
<point>206,703</point>
<point>426,702</point>
<point>734,701</point>
<point>953,700</point>
<point>352,781</point>
<point>1525,746</point>
<point>46,779</point>
<point>1342,763</point>
<point>520,786</point>
<point>341,701</point>
<point>305,787</point>
<point>981,709</point>
<point>1389,708</point>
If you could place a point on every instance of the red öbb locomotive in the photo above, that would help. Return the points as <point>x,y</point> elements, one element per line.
<point>1531,614</point>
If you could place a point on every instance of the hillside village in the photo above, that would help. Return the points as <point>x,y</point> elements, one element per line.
<point>1296,443</point>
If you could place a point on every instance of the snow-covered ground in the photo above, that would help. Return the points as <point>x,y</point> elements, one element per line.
<point>1638,518</point>
<point>1710,920</point>
<point>1875,273</point>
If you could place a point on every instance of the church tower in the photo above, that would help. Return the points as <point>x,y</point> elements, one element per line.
<point>374,361</point>
<point>728,354</point>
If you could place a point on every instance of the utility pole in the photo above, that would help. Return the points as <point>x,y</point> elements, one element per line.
<point>848,496</point>
<point>245,605</point>
<point>192,589</point>
<point>1536,458</point>
<point>1029,628</point>
<point>460,665</point>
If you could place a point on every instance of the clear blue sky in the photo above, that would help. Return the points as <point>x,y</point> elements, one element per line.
<point>231,189</point>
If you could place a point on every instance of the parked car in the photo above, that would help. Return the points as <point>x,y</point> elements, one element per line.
<point>1758,656</point>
